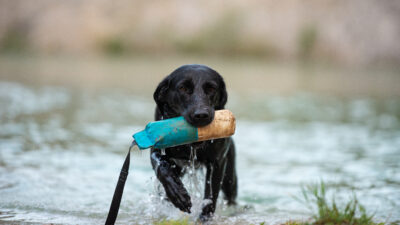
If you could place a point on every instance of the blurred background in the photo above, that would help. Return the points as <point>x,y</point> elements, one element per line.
<point>314,85</point>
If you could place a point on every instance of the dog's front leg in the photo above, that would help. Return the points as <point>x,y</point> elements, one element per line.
<point>168,177</point>
<point>214,176</point>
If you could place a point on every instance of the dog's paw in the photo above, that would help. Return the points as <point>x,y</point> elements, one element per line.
<point>207,213</point>
<point>174,188</point>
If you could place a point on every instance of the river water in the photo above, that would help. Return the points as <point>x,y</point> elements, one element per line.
<point>61,150</point>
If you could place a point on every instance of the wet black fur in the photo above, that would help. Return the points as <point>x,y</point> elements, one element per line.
<point>195,92</point>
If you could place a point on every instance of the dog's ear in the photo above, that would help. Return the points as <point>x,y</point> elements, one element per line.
<point>223,95</point>
<point>161,92</point>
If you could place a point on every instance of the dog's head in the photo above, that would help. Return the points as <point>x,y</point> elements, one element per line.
<point>192,91</point>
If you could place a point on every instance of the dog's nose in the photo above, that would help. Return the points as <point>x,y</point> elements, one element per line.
<point>201,115</point>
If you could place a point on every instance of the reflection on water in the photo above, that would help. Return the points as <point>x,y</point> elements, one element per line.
<point>61,151</point>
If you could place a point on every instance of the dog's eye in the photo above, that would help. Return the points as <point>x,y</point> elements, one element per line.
<point>183,89</point>
<point>210,90</point>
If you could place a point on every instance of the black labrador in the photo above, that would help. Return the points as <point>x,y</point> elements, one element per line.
<point>195,92</point>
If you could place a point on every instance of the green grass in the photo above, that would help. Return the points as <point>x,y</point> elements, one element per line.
<point>307,39</point>
<point>293,222</point>
<point>14,40</point>
<point>329,212</point>
<point>114,46</point>
<point>174,222</point>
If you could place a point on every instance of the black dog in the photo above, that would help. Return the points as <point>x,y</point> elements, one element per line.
<point>195,92</point>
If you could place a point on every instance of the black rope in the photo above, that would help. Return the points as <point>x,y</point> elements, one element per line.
<point>119,189</point>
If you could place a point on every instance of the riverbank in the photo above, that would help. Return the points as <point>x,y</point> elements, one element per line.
<point>244,75</point>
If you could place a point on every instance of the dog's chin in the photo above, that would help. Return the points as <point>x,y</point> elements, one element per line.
<point>198,145</point>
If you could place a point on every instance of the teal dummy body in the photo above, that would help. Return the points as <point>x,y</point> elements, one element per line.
<point>166,133</point>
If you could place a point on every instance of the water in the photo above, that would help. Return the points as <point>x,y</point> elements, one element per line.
<point>61,151</point>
